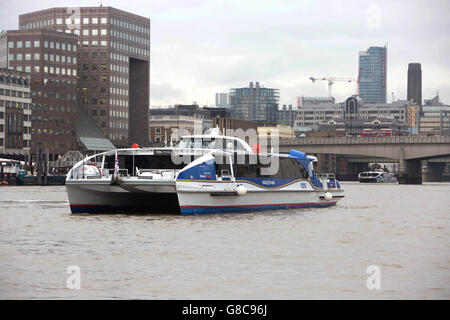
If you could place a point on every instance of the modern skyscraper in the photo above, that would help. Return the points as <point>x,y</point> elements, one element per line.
<point>372,81</point>
<point>255,103</point>
<point>113,65</point>
<point>50,58</point>
<point>415,83</point>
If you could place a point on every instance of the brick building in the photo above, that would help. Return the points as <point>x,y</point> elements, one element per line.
<point>113,66</point>
<point>50,58</point>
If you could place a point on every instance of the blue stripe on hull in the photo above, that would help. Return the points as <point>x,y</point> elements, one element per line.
<point>212,210</point>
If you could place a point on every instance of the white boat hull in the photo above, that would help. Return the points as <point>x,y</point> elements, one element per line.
<point>221,198</point>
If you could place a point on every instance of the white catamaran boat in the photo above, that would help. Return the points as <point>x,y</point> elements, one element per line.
<point>377,177</point>
<point>207,173</point>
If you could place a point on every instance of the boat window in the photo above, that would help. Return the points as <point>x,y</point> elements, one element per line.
<point>288,168</point>
<point>291,169</point>
<point>163,161</point>
<point>208,143</point>
<point>184,143</point>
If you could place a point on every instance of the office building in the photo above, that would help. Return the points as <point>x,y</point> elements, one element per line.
<point>303,101</point>
<point>309,118</point>
<point>222,100</point>
<point>50,57</point>
<point>15,114</point>
<point>255,103</point>
<point>434,118</point>
<point>373,75</point>
<point>113,65</point>
<point>415,83</point>
<point>287,115</point>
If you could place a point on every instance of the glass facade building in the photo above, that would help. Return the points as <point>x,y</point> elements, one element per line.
<point>373,73</point>
<point>255,103</point>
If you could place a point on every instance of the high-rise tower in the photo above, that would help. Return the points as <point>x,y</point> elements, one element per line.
<point>372,82</point>
<point>415,83</point>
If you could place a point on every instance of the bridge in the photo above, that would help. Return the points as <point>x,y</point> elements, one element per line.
<point>409,151</point>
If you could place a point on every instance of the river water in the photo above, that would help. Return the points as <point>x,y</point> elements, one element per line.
<point>402,230</point>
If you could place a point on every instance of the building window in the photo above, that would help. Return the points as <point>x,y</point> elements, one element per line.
<point>58,21</point>
<point>94,20</point>
<point>85,32</point>
<point>28,56</point>
<point>104,20</point>
<point>37,44</point>
<point>36,56</point>
<point>85,20</point>
<point>11,45</point>
<point>104,32</point>
<point>94,32</point>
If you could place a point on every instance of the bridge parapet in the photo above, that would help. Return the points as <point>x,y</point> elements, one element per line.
<point>365,140</point>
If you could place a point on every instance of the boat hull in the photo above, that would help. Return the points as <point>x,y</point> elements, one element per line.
<point>213,202</point>
<point>106,198</point>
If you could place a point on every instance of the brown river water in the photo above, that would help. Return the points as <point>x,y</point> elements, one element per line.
<point>402,230</point>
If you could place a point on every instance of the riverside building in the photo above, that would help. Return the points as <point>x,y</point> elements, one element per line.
<point>50,59</point>
<point>113,66</point>
<point>15,114</point>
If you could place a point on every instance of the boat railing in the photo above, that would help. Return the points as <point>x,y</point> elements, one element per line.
<point>122,172</point>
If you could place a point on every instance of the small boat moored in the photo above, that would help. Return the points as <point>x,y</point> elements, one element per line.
<point>377,177</point>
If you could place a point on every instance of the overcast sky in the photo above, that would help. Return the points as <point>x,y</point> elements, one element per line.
<point>200,47</point>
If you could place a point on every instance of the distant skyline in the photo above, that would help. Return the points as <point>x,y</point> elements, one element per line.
<point>200,48</point>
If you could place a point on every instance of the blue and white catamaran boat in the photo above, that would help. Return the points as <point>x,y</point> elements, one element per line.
<point>218,174</point>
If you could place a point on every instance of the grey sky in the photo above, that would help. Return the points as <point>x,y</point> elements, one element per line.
<point>201,47</point>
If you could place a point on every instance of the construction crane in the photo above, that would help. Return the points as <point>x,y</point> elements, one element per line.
<point>331,81</point>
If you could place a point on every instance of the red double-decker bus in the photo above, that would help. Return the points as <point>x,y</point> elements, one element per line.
<point>376,133</point>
